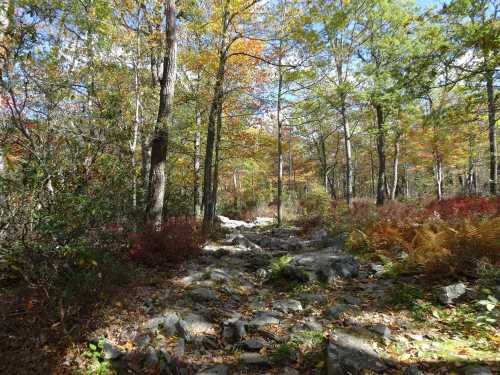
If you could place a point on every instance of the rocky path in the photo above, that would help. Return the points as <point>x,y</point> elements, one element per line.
<point>264,301</point>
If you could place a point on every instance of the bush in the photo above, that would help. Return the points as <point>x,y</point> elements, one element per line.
<point>465,207</point>
<point>177,240</point>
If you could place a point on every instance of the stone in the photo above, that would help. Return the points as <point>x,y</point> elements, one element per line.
<point>335,311</point>
<point>215,370</point>
<point>262,273</point>
<point>413,370</point>
<point>256,343</point>
<point>198,325</point>
<point>234,329</point>
<point>203,295</point>
<point>311,324</point>
<point>377,269</point>
<point>351,300</point>
<point>142,341</point>
<point>180,348</point>
<point>477,370</point>
<point>165,323</point>
<point>319,235</point>
<point>255,359</point>
<point>227,223</point>
<point>263,221</point>
<point>347,353</point>
<point>381,329</point>
<point>263,318</point>
<point>290,371</point>
<point>312,298</point>
<point>243,242</point>
<point>183,329</point>
<point>152,359</point>
<point>110,350</point>
<point>449,294</point>
<point>289,305</point>
<point>219,275</point>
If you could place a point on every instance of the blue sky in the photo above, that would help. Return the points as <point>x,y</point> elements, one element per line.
<point>425,3</point>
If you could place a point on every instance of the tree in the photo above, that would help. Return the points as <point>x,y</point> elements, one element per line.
<point>159,144</point>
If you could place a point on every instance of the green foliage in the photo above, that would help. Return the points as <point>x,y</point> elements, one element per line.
<point>278,267</point>
<point>317,203</point>
<point>96,365</point>
<point>405,296</point>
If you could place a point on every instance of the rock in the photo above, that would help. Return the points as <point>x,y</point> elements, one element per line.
<point>142,341</point>
<point>449,294</point>
<point>203,295</point>
<point>243,242</point>
<point>349,354</point>
<point>319,235</point>
<point>197,325</point>
<point>477,370</point>
<point>377,269</point>
<point>313,298</point>
<point>325,265</point>
<point>110,350</point>
<point>234,329</point>
<point>256,343</point>
<point>336,310</point>
<point>294,273</point>
<point>180,348</point>
<point>183,329</point>
<point>413,370</point>
<point>262,273</point>
<point>254,359</point>
<point>382,330</point>
<point>290,371</point>
<point>192,278</point>
<point>351,300</point>
<point>219,275</point>
<point>263,221</point>
<point>285,306</point>
<point>152,359</point>
<point>227,223</point>
<point>165,324</point>
<point>215,370</point>
<point>311,324</point>
<point>263,318</point>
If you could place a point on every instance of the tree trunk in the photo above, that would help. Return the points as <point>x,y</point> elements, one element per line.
<point>438,176</point>
<point>196,165</point>
<point>215,107</point>
<point>395,165</point>
<point>348,153</point>
<point>492,132</point>
<point>280,145</point>
<point>215,181</point>
<point>381,155</point>
<point>156,193</point>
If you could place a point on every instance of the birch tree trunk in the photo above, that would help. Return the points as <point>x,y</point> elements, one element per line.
<point>395,166</point>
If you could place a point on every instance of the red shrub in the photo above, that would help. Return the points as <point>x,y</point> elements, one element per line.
<point>465,207</point>
<point>177,240</point>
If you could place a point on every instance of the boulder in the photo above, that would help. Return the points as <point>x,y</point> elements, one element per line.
<point>477,370</point>
<point>449,294</point>
<point>289,305</point>
<point>228,223</point>
<point>203,295</point>
<point>381,329</point>
<point>350,354</point>
<point>256,343</point>
<point>263,318</point>
<point>335,311</point>
<point>110,350</point>
<point>215,370</point>
<point>244,243</point>
<point>255,359</point>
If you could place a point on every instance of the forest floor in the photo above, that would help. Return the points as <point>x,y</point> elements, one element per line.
<point>264,300</point>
